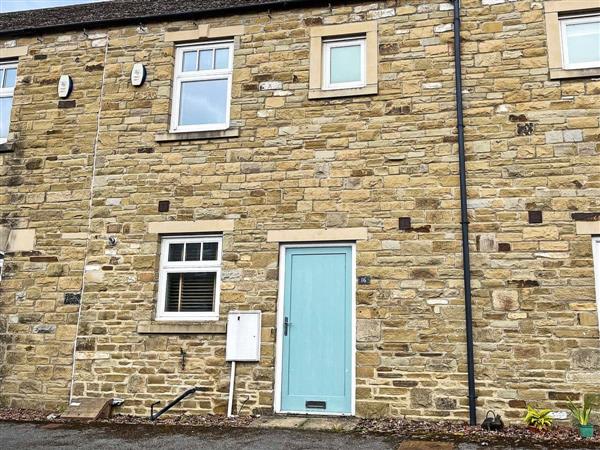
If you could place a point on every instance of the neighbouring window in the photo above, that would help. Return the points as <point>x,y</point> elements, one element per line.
<point>573,38</point>
<point>596,253</point>
<point>190,277</point>
<point>344,63</point>
<point>8,79</point>
<point>580,36</point>
<point>202,87</point>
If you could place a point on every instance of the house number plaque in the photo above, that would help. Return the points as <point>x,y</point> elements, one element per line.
<point>364,280</point>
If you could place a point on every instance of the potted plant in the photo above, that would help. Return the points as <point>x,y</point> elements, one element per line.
<point>538,419</point>
<point>582,415</point>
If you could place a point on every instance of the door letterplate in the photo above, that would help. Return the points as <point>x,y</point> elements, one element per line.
<point>313,404</point>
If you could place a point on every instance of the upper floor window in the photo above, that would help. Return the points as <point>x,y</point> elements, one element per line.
<point>190,278</point>
<point>580,37</point>
<point>343,60</point>
<point>202,87</point>
<point>573,38</point>
<point>344,63</point>
<point>8,79</point>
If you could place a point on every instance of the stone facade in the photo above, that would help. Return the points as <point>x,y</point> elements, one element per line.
<point>89,168</point>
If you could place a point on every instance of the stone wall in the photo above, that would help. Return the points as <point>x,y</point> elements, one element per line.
<point>532,144</point>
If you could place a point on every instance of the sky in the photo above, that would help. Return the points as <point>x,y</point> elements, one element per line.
<point>20,5</point>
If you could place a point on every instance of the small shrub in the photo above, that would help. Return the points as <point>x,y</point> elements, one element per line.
<point>538,418</point>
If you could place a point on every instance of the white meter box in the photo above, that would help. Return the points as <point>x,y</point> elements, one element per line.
<point>243,336</point>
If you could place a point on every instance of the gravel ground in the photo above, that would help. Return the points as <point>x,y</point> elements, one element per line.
<point>555,438</point>
<point>397,429</point>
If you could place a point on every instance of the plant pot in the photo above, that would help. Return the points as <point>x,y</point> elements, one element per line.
<point>586,431</point>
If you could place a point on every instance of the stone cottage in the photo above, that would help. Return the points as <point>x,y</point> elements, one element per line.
<point>165,163</point>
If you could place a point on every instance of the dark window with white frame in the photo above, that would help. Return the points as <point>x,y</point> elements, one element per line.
<point>580,40</point>
<point>190,278</point>
<point>8,80</point>
<point>202,87</point>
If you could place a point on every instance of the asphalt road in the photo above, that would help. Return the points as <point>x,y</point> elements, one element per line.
<point>19,436</point>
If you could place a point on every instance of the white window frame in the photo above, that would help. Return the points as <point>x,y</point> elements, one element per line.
<point>167,267</point>
<point>596,256</point>
<point>7,92</point>
<point>200,75</point>
<point>328,44</point>
<point>570,20</point>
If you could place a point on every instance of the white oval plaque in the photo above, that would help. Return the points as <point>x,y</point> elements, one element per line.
<point>65,86</point>
<point>138,74</point>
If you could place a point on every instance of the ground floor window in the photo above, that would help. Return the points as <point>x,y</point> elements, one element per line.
<point>189,279</point>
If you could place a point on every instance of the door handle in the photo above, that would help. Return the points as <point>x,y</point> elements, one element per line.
<point>286,326</point>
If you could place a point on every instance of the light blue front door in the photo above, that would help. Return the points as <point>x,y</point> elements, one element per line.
<point>317,330</point>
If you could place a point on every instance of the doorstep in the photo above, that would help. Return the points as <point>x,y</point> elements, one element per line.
<point>306,423</point>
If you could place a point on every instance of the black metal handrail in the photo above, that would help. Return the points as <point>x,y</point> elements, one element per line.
<point>174,402</point>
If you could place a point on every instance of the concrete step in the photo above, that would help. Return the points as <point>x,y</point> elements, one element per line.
<point>307,423</point>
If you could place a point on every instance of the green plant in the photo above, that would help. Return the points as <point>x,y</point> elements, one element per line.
<point>582,414</point>
<point>538,418</point>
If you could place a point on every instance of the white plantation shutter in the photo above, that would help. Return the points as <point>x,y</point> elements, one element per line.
<point>190,292</point>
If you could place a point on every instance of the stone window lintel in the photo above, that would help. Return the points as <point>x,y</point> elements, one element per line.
<point>204,31</point>
<point>198,226</point>
<point>13,52</point>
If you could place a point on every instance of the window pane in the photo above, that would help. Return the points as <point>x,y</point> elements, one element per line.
<point>190,292</point>
<point>209,252</point>
<point>190,61</point>
<point>176,252</point>
<point>193,252</point>
<point>172,292</point>
<point>583,41</point>
<point>345,64</point>
<point>10,78</point>
<point>206,60</point>
<point>203,102</point>
<point>198,292</point>
<point>222,58</point>
<point>5,107</point>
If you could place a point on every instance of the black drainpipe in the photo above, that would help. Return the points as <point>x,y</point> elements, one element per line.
<point>464,217</point>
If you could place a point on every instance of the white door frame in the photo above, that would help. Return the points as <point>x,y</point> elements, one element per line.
<point>596,262</point>
<point>279,338</point>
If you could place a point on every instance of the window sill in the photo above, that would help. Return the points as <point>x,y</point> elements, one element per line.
<point>197,135</point>
<point>181,328</point>
<point>562,74</point>
<point>7,147</point>
<point>315,94</point>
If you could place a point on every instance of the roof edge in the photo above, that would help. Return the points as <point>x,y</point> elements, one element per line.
<point>275,4</point>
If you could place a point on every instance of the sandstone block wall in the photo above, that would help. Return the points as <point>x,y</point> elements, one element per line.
<point>532,144</point>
